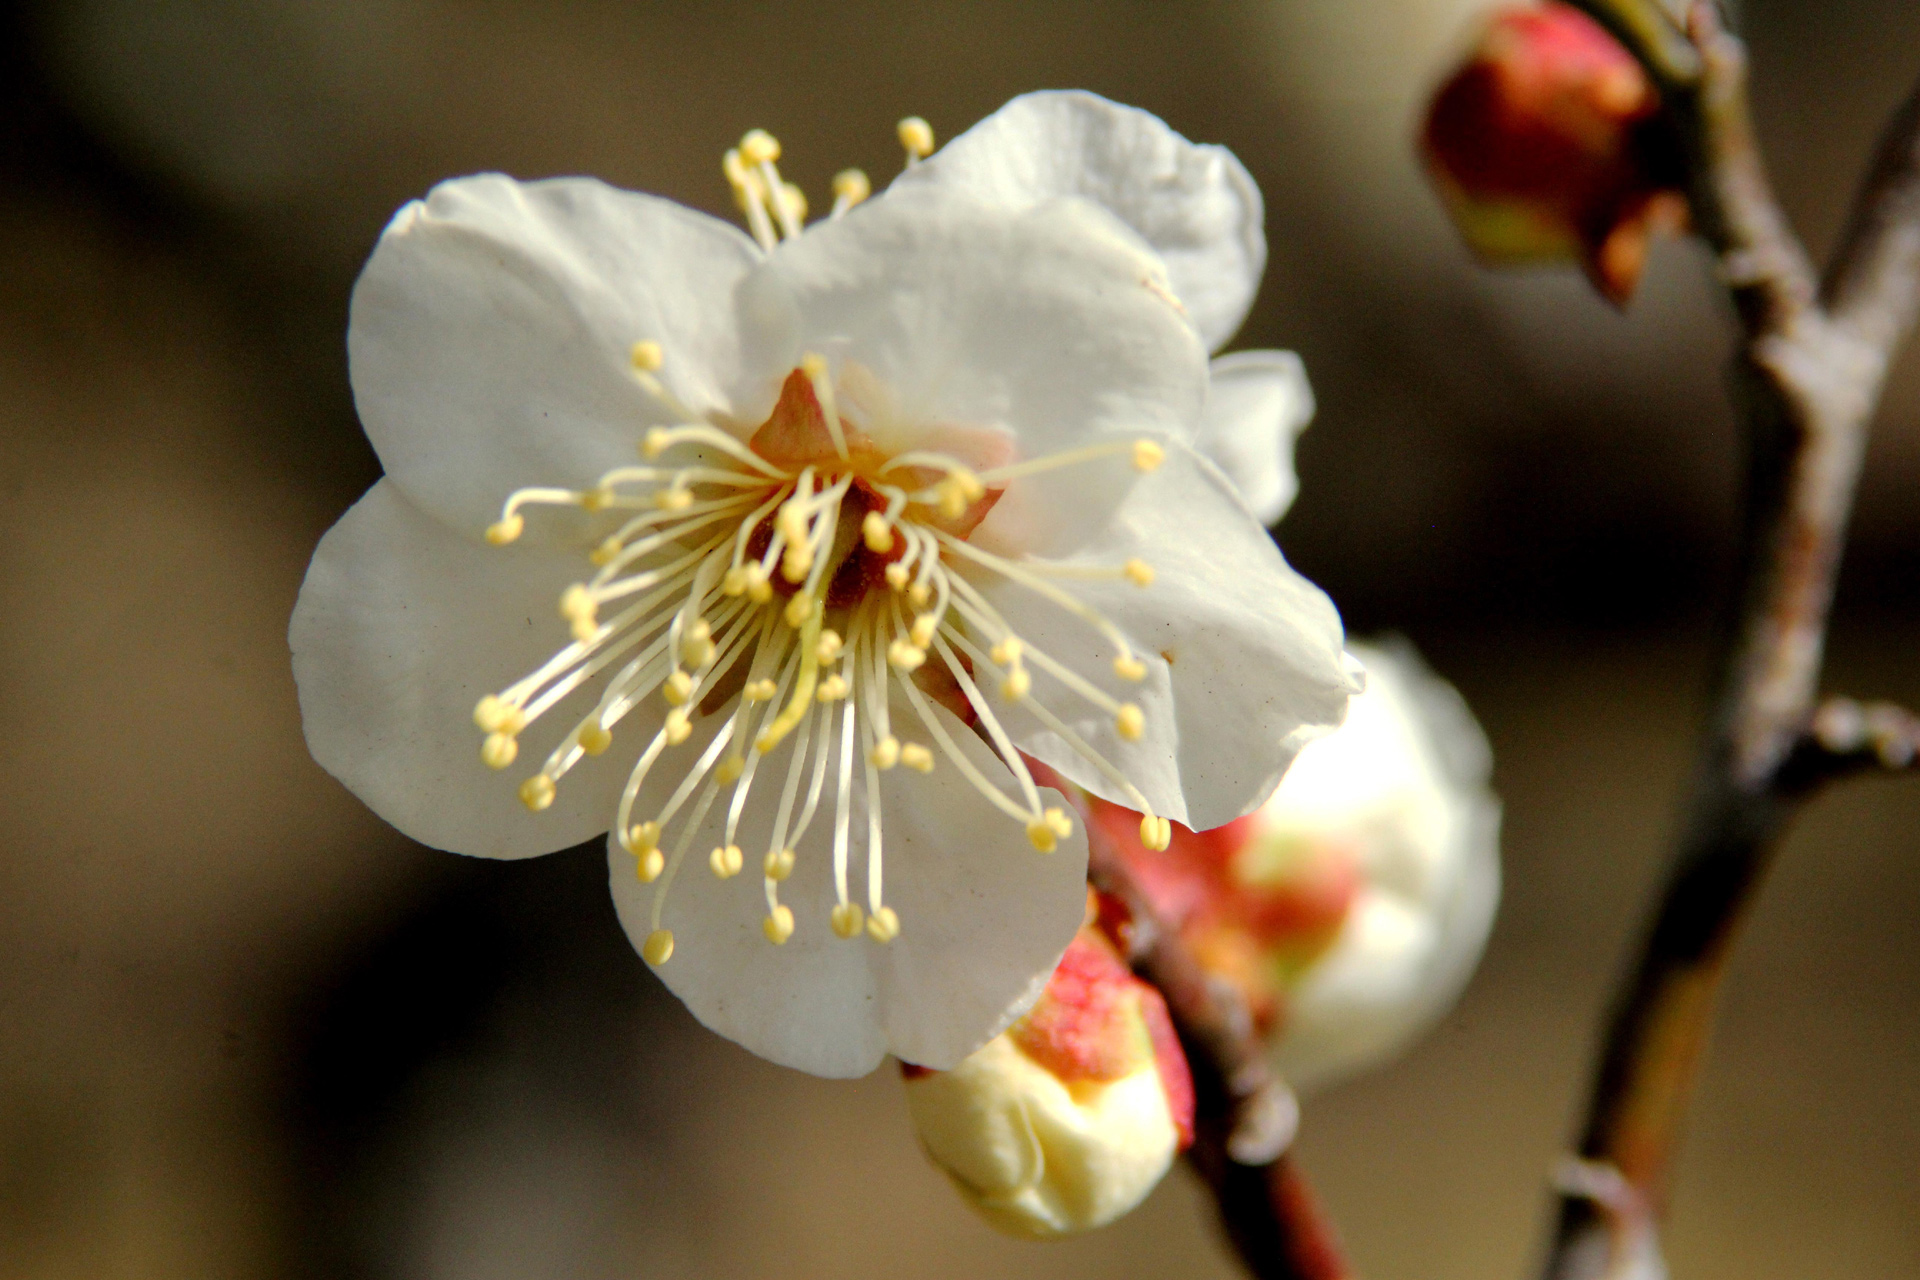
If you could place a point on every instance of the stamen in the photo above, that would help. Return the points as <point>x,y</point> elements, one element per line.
<point>658,948</point>
<point>778,926</point>
<point>850,187</point>
<point>814,366</point>
<point>916,136</point>
<point>845,919</point>
<point>1146,455</point>
<point>726,861</point>
<point>749,192</point>
<point>883,925</point>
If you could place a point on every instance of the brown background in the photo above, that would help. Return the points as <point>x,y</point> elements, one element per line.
<point>246,1031</point>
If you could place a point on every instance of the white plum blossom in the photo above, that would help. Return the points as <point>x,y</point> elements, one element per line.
<point>843,521</point>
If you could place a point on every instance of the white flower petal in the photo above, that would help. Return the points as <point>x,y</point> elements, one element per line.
<point>1048,323</point>
<point>983,921</point>
<point>493,326</point>
<point>1196,206</point>
<point>1243,655</point>
<point>401,627</point>
<point>1257,403</point>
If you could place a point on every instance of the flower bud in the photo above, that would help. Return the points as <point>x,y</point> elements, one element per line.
<point>1070,1117</point>
<point>1351,907</point>
<point>1548,145</point>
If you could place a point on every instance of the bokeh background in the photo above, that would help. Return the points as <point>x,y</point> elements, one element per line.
<point>247,1031</point>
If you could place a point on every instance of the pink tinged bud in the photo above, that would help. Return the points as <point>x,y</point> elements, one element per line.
<point>1548,145</point>
<point>1071,1117</point>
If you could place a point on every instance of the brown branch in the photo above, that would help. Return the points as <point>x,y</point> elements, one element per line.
<point>1245,1116</point>
<point>1807,381</point>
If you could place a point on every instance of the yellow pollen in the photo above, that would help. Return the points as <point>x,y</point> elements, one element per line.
<point>918,595</point>
<point>605,553</point>
<point>650,865</point>
<point>679,725</point>
<point>659,947</point>
<point>1155,833</point>
<point>916,135</point>
<point>829,648</point>
<point>594,739</point>
<point>499,750</point>
<point>647,357</point>
<point>1130,722</point>
<point>496,715</point>
<point>922,630</point>
<point>833,688</point>
<point>778,926</point>
<point>671,499</point>
<point>696,644</point>
<point>656,442</point>
<point>916,757</point>
<point>644,837</point>
<point>779,864</point>
<point>596,499</point>
<point>759,147</point>
<point>1139,573</point>
<point>814,365</point>
<point>577,602</point>
<point>677,688</point>
<point>798,610</point>
<point>726,861</point>
<point>537,792</point>
<point>734,582</point>
<point>1042,836</point>
<point>796,201</point>
<point>846,919</point>
<point>885,753</point>
<point>877,533</point>
<point>795,564</point>
<point>1128,667</point>
<point>1057,819</point>
<point>731,768</point>
<point>1007,652</point>
<point>1147,455</point>
<point>503,531</point>
<point>905,655</point>
<point>897,575</point>
<point>883,925</point>
<point>759,589</point>
<point>760,691</point>
<point>1017,684</point>
<point>850,187</point>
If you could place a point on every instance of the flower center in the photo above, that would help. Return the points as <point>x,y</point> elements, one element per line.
<point>806,590</point>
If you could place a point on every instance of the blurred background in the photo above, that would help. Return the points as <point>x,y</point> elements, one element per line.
<point>248,1031</point>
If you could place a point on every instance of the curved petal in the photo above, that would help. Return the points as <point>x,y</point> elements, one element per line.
<point>1243,655</point>
<point>401,627</point>
<point>983,919</point>
<point>1050,324</point>
<point>491,332</point>
<point>1257,403</point>
<point>1196,206</point>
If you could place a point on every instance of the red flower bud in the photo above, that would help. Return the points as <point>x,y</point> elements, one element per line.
<point>1548,145</point>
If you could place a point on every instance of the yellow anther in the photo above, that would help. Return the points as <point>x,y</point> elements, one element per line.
<point>847,919</point>
<point>1058,820</point>
<point>1138,572</point>
<point>1017,685</point>
<point>919,595</point>
<point>759,147</point>
<point>1007,652</point>
<point>796,201</point>
<point>829,647</point>
<point>649,866</point>
<point>1130,722</point>
<point>503,531</point>
<point>677,688</point>
<point>921,633</point>
<point>748,189</point>
<point>850,187</point>
<point>1155,833</point>
<point>731,768</point>
<point>659,947</point>
<point>537,792</point>
<point>759,691</point>
<point>499,750</point>
<point>596,499</point>
<point>759,589</point>
<point>647,356</point>
<point>798,610</point>
<point>904,655</point>
<point>778,865</point>
<point>577,602</point>
<point>1128,667</point>
<point>734,582</point>
<point>916,135</point>
<point>594,738</point>
<point>679,726</point>
<point>897,576</point>
<point>885,753</point>
<point>643,838</point>
<point>952,499</point>
<point>778,926</point>
<point>916,757</point>
<point>1042,836</point>
<point>584,629</point>
<point>672,498</point>
<point>1147,455</point>
<point>796,564</point>
<point>883,925</point>
<point>726,861</point>
<point>696,643</point>
<point>832,689</point>
<point>656,442</point>
<point>606,553</point>
<point>877,533</point>
<point>496,715</point>
<point>814,365</point>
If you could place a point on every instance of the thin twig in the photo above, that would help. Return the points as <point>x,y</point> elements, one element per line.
<point>1845,739</point>
<point>1807,381</point>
